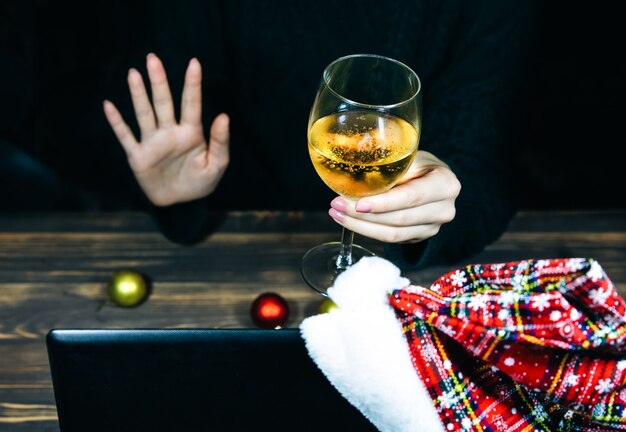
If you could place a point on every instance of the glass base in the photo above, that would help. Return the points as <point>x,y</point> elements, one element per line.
<point>319,265</point>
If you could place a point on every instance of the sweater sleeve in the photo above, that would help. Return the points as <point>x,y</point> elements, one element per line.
<point>472,109</point>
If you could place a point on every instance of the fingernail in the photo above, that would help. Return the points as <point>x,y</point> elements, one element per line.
<point>225,119</point>
<point>132,75</point>
<point>337,215</point>
<point>340,204</point>
<point>363,207</point>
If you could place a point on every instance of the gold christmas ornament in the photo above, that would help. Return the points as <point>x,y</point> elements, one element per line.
<point>327,305</point>
<point>127,288</point>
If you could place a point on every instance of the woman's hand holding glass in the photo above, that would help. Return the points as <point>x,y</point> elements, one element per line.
<point>413,211</point>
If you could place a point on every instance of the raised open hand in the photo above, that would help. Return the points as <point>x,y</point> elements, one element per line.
<point>172,161</point>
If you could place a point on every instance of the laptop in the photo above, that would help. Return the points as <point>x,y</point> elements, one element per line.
<point>192,380</point>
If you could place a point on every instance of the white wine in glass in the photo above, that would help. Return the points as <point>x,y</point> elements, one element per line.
<point>363,136</point>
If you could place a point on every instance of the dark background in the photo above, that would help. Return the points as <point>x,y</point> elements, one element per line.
<point>576,112</point>
<point>573,136</point>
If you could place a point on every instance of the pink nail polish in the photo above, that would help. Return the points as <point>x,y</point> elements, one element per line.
<point>340,204</point>
<point>363,207</point>
<point>337,215</point>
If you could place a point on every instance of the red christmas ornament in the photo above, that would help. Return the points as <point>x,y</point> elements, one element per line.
<point>269,310</point>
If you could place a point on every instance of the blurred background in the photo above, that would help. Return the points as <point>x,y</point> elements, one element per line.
<point>573,133</point>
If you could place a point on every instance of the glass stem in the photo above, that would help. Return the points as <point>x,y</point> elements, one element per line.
<point>344,259</point>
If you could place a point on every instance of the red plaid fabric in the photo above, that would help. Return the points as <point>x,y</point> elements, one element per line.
<point>536,345</point>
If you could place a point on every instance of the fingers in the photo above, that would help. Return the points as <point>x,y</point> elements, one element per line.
<point>385,233</point>
<point>436,185</point>
<point>120,128</point>
<point>191,110</point>
<point>410,212</point>
<point>141,103</point>
<point>161,95</point>
<point>218,153</point>
<point>438,212</point>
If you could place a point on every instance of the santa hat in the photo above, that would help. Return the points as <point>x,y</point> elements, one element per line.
<point>535,345</point>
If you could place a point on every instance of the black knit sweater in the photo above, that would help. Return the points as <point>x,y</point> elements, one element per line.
<point>262,62</point>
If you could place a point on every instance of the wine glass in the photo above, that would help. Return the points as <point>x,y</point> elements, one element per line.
<point>363,133</point>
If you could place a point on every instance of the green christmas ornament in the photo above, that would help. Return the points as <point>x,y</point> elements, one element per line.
<point>127,288</point>
<point>327,305</point>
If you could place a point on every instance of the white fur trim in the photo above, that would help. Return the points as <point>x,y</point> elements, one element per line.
<point>362,351</point>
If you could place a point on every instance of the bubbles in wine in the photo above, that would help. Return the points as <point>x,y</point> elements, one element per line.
<point>358,153</point>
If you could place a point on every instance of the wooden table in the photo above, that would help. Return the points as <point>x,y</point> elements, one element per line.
<point>54,269</point>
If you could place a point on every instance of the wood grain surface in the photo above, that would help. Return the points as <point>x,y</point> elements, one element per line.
<point>54,269</point>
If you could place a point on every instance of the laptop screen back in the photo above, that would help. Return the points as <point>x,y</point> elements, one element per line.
<point>193,380</point>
